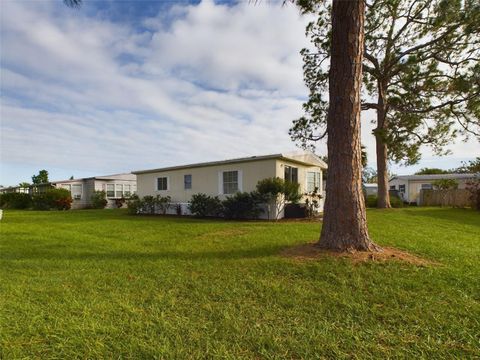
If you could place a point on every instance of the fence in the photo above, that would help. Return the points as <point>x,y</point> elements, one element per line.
<point>453,197</point>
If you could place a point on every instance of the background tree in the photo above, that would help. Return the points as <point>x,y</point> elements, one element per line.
<point>421,76</point>
<point>24,184</point>
<point>472,166</point>
<point>41,178</point>
<point>445,184</point>
<point>431,171</point>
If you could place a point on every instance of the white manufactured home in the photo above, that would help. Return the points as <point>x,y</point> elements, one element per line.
<point>409,186</point>
<point>226,177</point>
<point>116,187</point>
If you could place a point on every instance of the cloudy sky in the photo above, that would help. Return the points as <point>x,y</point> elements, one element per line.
<point>117,86</point>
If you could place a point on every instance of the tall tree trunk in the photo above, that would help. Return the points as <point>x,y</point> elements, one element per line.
<point>381,147</point>
<point>345,222</point>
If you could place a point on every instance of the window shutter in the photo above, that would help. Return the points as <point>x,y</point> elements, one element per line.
<point>220,182</point>
<point>240,180</point>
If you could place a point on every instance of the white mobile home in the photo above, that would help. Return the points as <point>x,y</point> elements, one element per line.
<point>116,187</point>
<point>409,186</point>
<point>226,177</point>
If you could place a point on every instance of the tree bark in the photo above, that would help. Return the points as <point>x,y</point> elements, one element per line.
<point>381,147</point>
<point>382,175</point>
<point>345,222</point>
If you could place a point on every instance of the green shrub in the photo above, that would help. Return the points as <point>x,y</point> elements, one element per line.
<point>99,199</point>
<point>371,201</point>
<point>41,202</point>
<point>163,203</point>
<point>242,205</point>
<point>59,199</point>
<point>203,205</point>
<point>147,204</point>
<point>119,202</point>
<point>395,201</point>
<point>15,200</point>
<point>134,204</point>
<point>277,193</point>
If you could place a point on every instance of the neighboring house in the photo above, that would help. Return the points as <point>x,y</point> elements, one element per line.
<point>409,186</point>
<point>116,186</point>
<point>224,178</point>
<point>370,189</point>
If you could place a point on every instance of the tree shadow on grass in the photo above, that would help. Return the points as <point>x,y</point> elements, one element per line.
<point>453,215</point>
<point>233,254</point>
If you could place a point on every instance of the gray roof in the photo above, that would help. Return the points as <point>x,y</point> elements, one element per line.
<point>123,176</point>
<point>435,176</point>
<point>313,160</point>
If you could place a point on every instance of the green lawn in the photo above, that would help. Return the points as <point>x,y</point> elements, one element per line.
<point>103,284</point>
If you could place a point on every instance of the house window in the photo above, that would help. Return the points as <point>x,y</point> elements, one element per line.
<point>110,190</point>
<point>313,181</point>
<point>392,187</point>
<point>187,181</point>
<point>162,183</point>
<point>77,191</point>
<point>427,187</point>
<point>126,190</point>
<point>291,174</point>
<point>401,188</point>
<point>230,182</point>
<point>118,190</point>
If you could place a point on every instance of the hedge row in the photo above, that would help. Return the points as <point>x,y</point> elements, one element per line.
<point>57,199</point>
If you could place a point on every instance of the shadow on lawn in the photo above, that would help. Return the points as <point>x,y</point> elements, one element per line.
<point>459,216</point>
<point>233,254</point>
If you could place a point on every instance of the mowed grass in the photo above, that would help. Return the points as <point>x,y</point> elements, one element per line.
<point>103,284</point>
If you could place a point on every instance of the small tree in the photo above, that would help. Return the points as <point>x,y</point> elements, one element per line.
<point>277,192</point>
<point>312,202</point>
<point>445,184</point>
<point>41,178</point>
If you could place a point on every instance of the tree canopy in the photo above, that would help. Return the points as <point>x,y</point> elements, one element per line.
<point>41,178</point>
<point>431,171</point>
<point>421,76</point>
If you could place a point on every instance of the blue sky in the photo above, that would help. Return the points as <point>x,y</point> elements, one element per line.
<point>126,85</point>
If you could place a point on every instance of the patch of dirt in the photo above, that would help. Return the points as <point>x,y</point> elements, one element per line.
<point>306,252</point>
